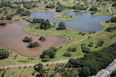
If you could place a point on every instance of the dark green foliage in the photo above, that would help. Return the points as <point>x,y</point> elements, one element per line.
<point>2,23</point>
<point>50,6</point>
<point>45,25</point>
<point>86,50</point>
<point>61,26</point>
<point>4,53</point>
<point>5,4</point>
<point>100,42</point>
<point>59,8</point>
<point>9,17</point>
<point>92,62</point>
<point>113,19</point>
<point>33,44</point>
<point>85,71</point>
<point>90,44</point>
<point>22,12</point>
<point>36,20</point>
<point>38,67</point>
<point>67,74</point>
<point>79,7</point>
<point>42,38</point>
<point>48,54</point>
<point>67,54</point>
<point>93,8</point>
<point>113,74</point>
<point>27,39</point>
<point>114,4</point>
<point>111,29</point>
<point>74,49</point>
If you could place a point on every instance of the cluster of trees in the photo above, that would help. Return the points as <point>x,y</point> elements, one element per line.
<point>9,17</point>
<point>40,69</point>
<point>5,4</point>
<point>113,19</point>
<point>50,6</point>
<point>111,29</point>
<point>59,8</point>
<point>48,54</point>
<point>80,7</point>
<point>23,12</point>
<point>92,62</point>
<point>44,24</point>
<point>93,8</point>
<point>61,26</point>
<point>27,39</point>
<point>2,23</point>
<point>4,53</point>
<point>42,38</point>
<point>33,44</point>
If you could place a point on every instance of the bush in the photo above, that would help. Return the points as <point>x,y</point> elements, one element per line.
<point>4,53</point>
<point>86,50</point>
<point>33,45</point>
<point>2,23</point>
<point>27,39</point>
<point>42,38</point>
<point>93,9</point>
<point>61,26</point>
<point>67,54</point>
<point>9,17</point>
<point>90,44</point>
<point>72,49</point>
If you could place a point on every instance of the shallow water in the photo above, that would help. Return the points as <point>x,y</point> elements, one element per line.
<point>83,22</point>
<point>11,37</point>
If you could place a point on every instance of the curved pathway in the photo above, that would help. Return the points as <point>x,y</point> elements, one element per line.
<point>109,9</point>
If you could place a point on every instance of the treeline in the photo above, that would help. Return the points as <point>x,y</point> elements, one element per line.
<point>93,62</point>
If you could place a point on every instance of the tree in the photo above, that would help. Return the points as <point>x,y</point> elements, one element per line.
<point>113,74</point>
<point>9,17</point>
<point>93,8</point>
<point>113,19</point>
<point>90,44</point>
<point>33,45</point>
<point>67,74</point>
<point>4,53</point>
<point>86,50</point>
<point>67,54</point>
<point>2,23</point>
<point>38,67</point>
<point>61,26</point>
<point>85,72</point>
<point>42,38</point>
<point>27,39</point>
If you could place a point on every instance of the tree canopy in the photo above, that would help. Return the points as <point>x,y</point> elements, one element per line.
<point>4,53</point>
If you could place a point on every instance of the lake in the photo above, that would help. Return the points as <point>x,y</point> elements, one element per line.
<point>83,22</point>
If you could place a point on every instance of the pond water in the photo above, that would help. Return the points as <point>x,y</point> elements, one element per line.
<point>12,34</point>
<point>83,22</point>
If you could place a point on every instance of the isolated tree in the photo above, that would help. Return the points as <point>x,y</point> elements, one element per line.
<point>4,53</point>
<point>61,26</point>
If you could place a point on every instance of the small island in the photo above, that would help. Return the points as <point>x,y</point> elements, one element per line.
<point>63,17</point>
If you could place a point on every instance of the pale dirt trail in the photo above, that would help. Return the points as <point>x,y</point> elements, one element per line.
<point>109,9</point>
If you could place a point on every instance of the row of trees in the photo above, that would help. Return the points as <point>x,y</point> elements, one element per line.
<point>92,62</point>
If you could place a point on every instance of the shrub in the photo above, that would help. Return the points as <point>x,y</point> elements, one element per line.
<point>67,54</point>
<point>86,50</point>
<point>72,49</point>
<point>27,39</point>
<point>2,23</point>
<point>42,38</point>
<point>33,45</point>
<point>113,19</point>
<point>90,44</point>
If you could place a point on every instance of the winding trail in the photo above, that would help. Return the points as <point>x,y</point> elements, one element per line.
<point>109,9</point>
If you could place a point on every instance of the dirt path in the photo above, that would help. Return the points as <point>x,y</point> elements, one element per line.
<point>27,65</point>
<point>109,9</point>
